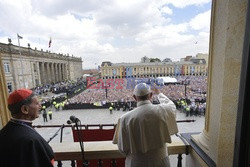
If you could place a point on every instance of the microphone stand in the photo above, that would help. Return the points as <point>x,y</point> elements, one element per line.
<point>81,143</point>
<point>61,128</point>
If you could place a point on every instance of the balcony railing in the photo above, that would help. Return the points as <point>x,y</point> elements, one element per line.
<point>101,150</point>
<point>106,150</point>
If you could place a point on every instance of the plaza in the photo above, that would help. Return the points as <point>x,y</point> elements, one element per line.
<point>103,116</point>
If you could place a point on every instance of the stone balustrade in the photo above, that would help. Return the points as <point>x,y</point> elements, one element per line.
<point>68,151</point>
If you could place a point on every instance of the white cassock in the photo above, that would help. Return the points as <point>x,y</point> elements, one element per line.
<point>142,133</point>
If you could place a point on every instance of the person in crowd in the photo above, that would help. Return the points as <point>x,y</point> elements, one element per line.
<point>50,114</point>
<point>111,109</point>
<point>54,103</point>
<point>21,145</point>
<point>142,134</point>
<point>187,110</point>
<point>43,107</point>
<point>57,106</point>
<point>45,118</point>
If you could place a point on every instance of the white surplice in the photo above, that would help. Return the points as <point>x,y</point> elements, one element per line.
<point>142,133</point>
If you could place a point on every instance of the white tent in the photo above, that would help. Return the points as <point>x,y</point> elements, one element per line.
<point>165,80</point>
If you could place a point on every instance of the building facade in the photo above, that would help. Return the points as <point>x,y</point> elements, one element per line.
<point>28,68</point>
<point>153,69</point>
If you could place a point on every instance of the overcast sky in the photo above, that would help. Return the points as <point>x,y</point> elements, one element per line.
<point>109,30</point>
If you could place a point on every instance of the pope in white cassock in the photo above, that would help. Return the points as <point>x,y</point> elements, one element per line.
<point>142,133</point>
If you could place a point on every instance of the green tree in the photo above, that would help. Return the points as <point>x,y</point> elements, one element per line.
<point>155,60</point>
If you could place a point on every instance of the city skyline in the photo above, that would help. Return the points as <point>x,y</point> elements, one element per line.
<point>113,31</point>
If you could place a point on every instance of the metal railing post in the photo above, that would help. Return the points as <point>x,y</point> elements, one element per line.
<point>179,164</point>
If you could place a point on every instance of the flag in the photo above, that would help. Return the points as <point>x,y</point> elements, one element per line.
<point>50,40</point>
<point>19,37</point>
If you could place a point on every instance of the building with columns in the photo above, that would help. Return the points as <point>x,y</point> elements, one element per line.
<point>193,66</point>
<point>28,68</point>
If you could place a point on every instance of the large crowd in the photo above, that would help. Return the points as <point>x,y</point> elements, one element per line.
<point>59,87</point>
<point>122,91</point>
<point>188,93</point>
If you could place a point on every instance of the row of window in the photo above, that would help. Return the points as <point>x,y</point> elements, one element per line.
<point>159,69</point>
<point>187,70</point>
<point>7,67</point>
<point>155,75</point>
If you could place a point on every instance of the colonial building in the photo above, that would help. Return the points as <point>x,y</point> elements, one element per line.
<point>194,66</point>
<point>28,68</point>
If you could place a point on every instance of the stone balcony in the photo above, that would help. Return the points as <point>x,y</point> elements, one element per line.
<point>68,151</point>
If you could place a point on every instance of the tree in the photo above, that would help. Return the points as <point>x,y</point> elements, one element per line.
<point>155,60</point>
<point>145,59</point>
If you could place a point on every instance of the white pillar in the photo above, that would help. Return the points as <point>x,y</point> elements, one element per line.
<point>226,44</point>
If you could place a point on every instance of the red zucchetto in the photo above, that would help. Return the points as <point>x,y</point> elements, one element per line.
<point>19,95</point>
